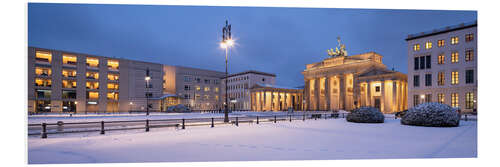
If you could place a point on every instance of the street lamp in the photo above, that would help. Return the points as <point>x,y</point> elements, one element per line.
<point>227,43</point>
<point>147,79</point>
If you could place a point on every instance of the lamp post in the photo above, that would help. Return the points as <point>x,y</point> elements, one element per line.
<point>147,79</point>
<point>226,44</point>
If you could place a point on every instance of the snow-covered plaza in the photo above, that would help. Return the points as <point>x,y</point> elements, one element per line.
<point>330,139</point>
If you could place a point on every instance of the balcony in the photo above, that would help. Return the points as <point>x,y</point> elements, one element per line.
<point>92,85</point>
<point>47,83</point>
<point>92,75</point>
<point>43,72</point>
<point>92,95</point>
<point>113,77</point>
<point>69,94</point>
<point>69,73</point>
<point>68,84</point>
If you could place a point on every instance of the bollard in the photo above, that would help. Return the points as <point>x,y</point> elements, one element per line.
<point>183,126</point>
<point>60,126</point>
<point>212,123</point>
<point>465,117</point>
<point>290,118</point>
<point>257,119</point>
<point>275,119</point>
<point>342,115</point>
<point>236,121</point>
<point>147,125</point>
<point>303,117</point>
<point>325,116</point>
<point>102,127</point>
<point>44,131</point>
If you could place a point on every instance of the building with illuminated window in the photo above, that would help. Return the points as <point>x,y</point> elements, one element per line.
<point>61,81</point>
<point>239,85</point>
<point>347,82</point>
<point>445,70</point>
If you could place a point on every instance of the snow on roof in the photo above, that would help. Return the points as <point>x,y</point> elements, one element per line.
<point>278,87</point>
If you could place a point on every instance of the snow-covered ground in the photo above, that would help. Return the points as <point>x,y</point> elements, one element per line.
<point>297,140</point>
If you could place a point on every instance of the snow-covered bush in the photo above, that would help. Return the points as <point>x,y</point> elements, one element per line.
<point>178,108</point>
<point>366,115</point>
<point>432,114</point>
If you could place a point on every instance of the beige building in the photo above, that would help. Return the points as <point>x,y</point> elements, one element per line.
<point>275,98</point>
<point>347,82</point>
<point>239,85</point>
<point>61,81</point>
<point>442,66</point>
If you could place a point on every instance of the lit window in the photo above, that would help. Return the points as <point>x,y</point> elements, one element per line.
<point>416,47</point>
<point>69,73</point>
<point>92,62</point>
<point>428,98</point>
<point>441,59</point>
<point>43,57</point>
<point>454,57</point>
<point>216,97</point>
<point>113,86</point>
<point>92,95</point>
<point>40,71</point>
<point>43,82</point>
<point>216,89</point>
<point>68,84</point>
<point>207,89</point>
<point>92,75</point>
<point>113,77</point>
<point>469,100</point>
<point>428,45</point>
<point>469,55</point>
<point>113,64</point>
<point>416,100</point>
<point>454,40</point>
<point>69,59</point>
<point>198,88</point>
<point>441,78</point>
<point>441,98</point>
<point>92,85</point>
<point>469,37</point>
<point>112,95</point>
<point>454,100</point>
<point>454,77</point>
<point>441,43</point>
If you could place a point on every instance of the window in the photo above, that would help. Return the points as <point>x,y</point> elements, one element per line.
<point>187,96</point>
<point>469,55</point>
<point>263,79</point>
<point>416,47</point>
<point>68,84</point>
<point>441,78</point>
<point>112,96</point>
<point>441,43</point>
<point>206,97</point>
<point>428,79</point>
<point>113,86</point>
<point>43,57</point>
<point>216,97</point>
<point>377,88</point>
<point>454,40</point>
<point>92,75</point>
<point>44,72</point>
<point>416,81</point>
<point>428,45</point>
<point>198,88</point>
<point>69,59</point>
<point>69,73</point>
<point>416,101</point>
<point>216,89</point>
<point>441,59</point>
<point>428,61</point>
<point>148,94</point>
<point>422,62</point>
<point>113,77</point>
<point>207,81</point>
<point>416,63</point>
<point>69,94</point>
<point>113,65</point>
<point>198,80</point>
<point>469,76</point>
<point>92,62</point>
<point>188,78</point>
<point>469,100</point>
<point>206,89</point>
<point>43,93</point>
<point>187,87</point>
<point>92,85</point>
<point>454,57</point>
<point>454,100</point>
<point>428,98</point>
<point>441,98</point>
<point>92,95</point>
<point>197,96</point>
<point>43,82</point>
<point>469,37</point>
<point>454,77</point>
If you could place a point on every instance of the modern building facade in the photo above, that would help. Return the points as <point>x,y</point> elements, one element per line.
<point>275,98</point>
<point>61,81</point>
<point>442,66</point>
<point>239,85</point>
<point>348,82</point>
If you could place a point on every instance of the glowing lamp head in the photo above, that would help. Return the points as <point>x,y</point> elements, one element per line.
<point>223,45</point>
<point>147,78</point>
<point>230,42</point>
<point>422,96</point>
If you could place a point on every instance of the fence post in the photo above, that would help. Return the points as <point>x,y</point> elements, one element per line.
<point>147,125</point>
<point>465,117</point>
<point>102,127</point>
<point>212,123</point>
<point>183,126</point>
<point>303,117</point>
<point>44,131</point>
<point>325,116</point>
<point>236,121</point>
<point>275,119</point>
<point>257,119</point>
<point>290,118</point>
<point>342,115</point>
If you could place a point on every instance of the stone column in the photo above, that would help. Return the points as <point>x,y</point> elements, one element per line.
<point>382,96</point>
<point>317,93</point>
<point>342,89</point>
<point>369,94</point>
<point>327,92</point>
<point>394,96</point>
<point>307,95</point>
<point>285,105</point>
<point>264,101</point>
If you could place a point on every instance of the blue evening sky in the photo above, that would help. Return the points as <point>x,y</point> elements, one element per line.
<point>274,40</point>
